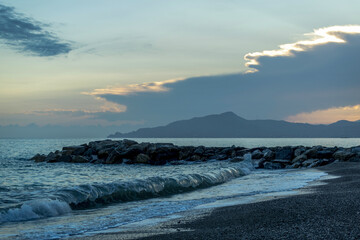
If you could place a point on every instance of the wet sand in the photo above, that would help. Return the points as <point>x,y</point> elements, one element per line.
<point>330,211</point>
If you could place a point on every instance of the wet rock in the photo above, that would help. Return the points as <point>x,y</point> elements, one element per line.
<point>268,154</point>
<point>39,158</point>
<point>75,150</point>
<point>195,158</point>
<point>65,158</point>
<point>355,158</point>
<point>311,153</point>
<point>356,150</point>
<point>52,157</point>
<point>299,151</point>
<point>324,154</point>
<point>284,153</point>
<point>104,153</point>
<point>142,158</point>
<point>343,155</point>
<point>237,159</point>
<point>300,158</point>
<point>199,150</point>
<point>295,165</point>
<point>257,154</point>
<point>309,162</point>
<point>281,161</point>
<point>271,165</point>
<point>79,159</point>
<point>114,157</point>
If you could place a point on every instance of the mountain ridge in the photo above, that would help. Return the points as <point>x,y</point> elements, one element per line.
<point>230,125</point>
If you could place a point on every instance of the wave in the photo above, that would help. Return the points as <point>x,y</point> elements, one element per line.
<point>93,195</point>
<point>35,209</point>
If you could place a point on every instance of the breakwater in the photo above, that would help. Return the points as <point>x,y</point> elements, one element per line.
<point>131,152</point>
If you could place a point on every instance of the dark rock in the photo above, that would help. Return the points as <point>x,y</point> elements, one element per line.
<point>261,163</point>
<point>271,165</point>
<point>39,158</point>
<point>237,159</point>
<point>355,158</point>
<point>114,157</point>
<point>311,153</point>
<point>199,150</point>
<point>324,154</point>
<point>142,158</point>
<point>281,161</point>
<point>343,155</point>
<point>79,159</point>
<point>309,162</point>
<point>299,151</point>
<point>65,158</point>
<point>268,154</point>
<point>52,157</point>
<point>195,158</point>
<point>75,150</point>
<point>104,153</point>
<point>257,154</point>
<point>300,158</point>
<point>284,153</point>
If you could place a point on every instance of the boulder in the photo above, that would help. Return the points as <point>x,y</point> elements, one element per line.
<point>343,155</point>
<point>299,151</point>
<point>39,158</point>
<point>355,158</point>
<point>104,153</point>
<point>195,158</point>
<point>257,154</point>
<point>284,153</point>
<point>324,154</point>
<point>268,154</point>
<point>295,165</point>
<point>237,159</point>
<point>309,162</point>
<point>52,157</point>
<point>79,159</point>
<point>199,150</point>
<point>271,165</point>
<point>311,153</point>
<point>114,157</point>
<point>300,158</point>
<point>142,158</point>
<point>65,158</point>
<point>75,150</point>
<point>284,162</point>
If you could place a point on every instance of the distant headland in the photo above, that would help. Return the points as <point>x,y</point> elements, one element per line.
<point>230,125</point>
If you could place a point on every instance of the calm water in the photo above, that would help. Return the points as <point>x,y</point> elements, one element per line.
<point>49,201</point>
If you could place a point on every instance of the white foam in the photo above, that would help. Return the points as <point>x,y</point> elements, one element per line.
<point>35,209</point>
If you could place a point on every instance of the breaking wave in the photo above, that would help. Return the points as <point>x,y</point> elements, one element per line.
<point>94,195</point>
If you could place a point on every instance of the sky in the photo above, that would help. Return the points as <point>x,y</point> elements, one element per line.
<point>131,64</point>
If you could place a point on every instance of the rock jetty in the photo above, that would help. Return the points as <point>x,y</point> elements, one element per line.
<point>131,152</point>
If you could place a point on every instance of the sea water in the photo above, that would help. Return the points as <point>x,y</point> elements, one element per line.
<point>59,200</point>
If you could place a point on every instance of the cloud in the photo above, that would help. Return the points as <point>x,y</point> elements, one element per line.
<point>315,74</point>
<point>27,35</point>
<point>350,113</point>
<point>134,88</point>
<point>320,36</point>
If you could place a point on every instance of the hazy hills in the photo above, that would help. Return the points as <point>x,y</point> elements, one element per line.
<point>229,125</point>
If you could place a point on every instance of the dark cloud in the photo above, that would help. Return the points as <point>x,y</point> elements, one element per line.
<point>27,35</point>
<point>322,77</point>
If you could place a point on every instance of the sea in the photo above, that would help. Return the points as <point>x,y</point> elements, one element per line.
<point>66,200</point>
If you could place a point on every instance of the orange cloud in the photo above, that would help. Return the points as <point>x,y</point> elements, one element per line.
<point>134,88</point>
<point>319,37</point>
<point>350,113</point>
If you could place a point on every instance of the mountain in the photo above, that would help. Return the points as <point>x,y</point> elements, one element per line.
<point>230,125</point>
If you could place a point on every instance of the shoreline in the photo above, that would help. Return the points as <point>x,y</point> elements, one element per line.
<point>323,211</point>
